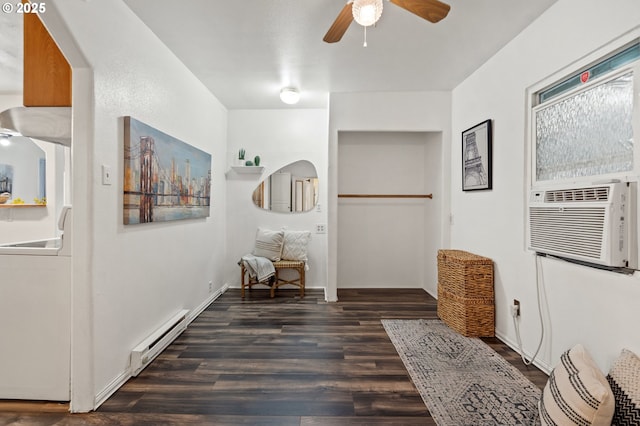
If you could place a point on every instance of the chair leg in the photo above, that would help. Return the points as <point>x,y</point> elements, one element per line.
<point>302,273</point>
<point>273,286</point>
<point>242,281</point>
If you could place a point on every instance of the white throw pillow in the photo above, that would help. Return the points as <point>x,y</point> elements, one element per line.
<point>624,378</point>
<point>577,392</point>
<point>295,245</point>
<point>269,244</point>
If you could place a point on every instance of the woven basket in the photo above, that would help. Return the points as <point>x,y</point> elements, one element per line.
<point>465,293</point>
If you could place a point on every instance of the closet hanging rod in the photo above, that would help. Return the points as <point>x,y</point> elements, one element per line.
<point>385,195</point>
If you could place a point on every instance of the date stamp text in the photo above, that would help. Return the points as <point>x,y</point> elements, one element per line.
<point>22,8</point>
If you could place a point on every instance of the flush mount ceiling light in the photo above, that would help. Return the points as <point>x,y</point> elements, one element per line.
<point>289,95</point>
<point>4,139</point>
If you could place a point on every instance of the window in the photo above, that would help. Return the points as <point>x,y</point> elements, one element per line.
<point>583,125</point>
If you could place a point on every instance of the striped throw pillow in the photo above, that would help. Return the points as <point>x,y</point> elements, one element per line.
<point>269,244</point>
<point>577,392</point>
<point>624,379</point>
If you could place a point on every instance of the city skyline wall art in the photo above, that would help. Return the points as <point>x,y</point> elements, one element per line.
<point>165,179</point>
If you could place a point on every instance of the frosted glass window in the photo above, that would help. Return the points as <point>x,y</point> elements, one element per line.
<point>587,134</point>
<point>615,62</point>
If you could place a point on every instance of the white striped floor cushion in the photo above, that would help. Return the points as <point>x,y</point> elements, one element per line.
<point>577,393</point>
<point>624,379</point>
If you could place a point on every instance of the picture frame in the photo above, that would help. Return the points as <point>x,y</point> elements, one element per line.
<point>476,157</point>
<point>165,179</point>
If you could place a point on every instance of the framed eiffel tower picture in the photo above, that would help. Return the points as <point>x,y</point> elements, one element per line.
<point>476,157</point>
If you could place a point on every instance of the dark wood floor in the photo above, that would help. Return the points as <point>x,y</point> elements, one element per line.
<point>282,361</point>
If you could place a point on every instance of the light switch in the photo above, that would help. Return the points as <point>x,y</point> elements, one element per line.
<point>106,175</point>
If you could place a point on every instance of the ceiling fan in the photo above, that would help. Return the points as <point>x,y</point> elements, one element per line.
<point>431,10</point>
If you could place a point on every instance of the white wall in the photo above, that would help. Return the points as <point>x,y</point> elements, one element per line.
<point>598,309</point>
<point>279,137</point>
<point>428,112</point>
<point>389,242</point>
<point>130,279</point>
<point>10,100</point>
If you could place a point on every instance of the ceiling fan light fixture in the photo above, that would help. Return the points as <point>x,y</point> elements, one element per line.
<point>289,95</point>
<point>366,12</point>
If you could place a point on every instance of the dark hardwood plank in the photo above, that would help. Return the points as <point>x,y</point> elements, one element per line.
<point>281,361</point>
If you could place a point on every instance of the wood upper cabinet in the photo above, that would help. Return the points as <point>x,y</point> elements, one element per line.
<point>47,74</point>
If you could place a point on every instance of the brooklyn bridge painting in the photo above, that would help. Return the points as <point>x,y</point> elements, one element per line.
<point>164,178</point>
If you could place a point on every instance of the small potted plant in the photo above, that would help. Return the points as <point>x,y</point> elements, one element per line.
<point>241,154</point>
<point>256,160</point>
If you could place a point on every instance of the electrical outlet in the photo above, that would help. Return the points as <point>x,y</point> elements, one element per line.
<point>321,228</point>
<point>516,308</point>
<point>210,286</point>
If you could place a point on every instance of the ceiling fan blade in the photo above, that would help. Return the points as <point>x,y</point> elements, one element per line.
<point>431,10</point>
<point>340,25</point>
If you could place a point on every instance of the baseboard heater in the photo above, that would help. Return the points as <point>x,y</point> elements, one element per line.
<point>150,347</point>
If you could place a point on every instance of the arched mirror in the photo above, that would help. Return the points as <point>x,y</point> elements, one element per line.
<point>291,189</point>
<point>22,171</point>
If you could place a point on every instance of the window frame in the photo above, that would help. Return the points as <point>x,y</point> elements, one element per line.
<point>535,106</point>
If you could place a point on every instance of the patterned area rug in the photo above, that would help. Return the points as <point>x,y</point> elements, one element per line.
<point>462,380</point>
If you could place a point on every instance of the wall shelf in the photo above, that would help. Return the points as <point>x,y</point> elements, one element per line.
<point>248,169</point>
<point>385,196</point>
<point>17,206</point>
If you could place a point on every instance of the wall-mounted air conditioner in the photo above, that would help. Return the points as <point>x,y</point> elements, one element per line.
<point>594,223</point>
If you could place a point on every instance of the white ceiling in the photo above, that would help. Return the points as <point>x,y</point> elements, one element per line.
<point>246,51</point>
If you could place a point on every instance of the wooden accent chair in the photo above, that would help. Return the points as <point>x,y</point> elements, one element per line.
<point>277,280</point>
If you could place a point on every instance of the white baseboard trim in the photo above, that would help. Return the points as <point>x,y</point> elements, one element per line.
<point>435,296</point>
<point>122,378</point>
<point>514,345</point>
<point>111,388</point>
<point>288,286</point>
<point>208,301</point>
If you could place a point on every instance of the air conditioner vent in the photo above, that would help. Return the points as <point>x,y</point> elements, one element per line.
<point>598,193</point>
<point>576,231</point>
